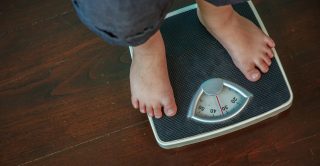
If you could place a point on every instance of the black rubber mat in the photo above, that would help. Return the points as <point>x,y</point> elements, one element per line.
<point>193,57</point>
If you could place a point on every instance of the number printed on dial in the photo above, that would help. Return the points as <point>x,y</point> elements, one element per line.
<point>215,107</point>
<point>218,100</point>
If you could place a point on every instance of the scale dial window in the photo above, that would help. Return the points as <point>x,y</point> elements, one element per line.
<point>218,100</point>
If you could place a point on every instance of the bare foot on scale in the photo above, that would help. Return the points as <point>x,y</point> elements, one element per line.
<point>249,47</point>
<point>149,81</point>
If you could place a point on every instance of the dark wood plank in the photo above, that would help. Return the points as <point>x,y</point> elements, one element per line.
<point>261,144</point>
<point>57,87</point>
<point>65,97</point>
<point>60,85</point>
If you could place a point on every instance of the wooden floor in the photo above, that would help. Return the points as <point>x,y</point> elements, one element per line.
<point>65,97</point>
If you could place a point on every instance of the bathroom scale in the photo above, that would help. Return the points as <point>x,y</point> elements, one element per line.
<point>213,97</point>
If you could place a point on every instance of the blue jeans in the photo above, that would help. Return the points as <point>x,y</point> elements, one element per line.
<point>127,22</point>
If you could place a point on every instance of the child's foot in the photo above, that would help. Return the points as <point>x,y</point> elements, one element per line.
<point>249,47</point>
<point>150,86</point>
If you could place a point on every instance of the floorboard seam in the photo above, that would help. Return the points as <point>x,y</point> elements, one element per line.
<point>36,22</point>
<point>84,142</point>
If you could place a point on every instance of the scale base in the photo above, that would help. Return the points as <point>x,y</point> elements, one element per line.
<point>194,56</point>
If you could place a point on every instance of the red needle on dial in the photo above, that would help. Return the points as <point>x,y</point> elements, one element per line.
<point>219,105</point>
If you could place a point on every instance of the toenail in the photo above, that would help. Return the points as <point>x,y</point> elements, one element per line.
<point>255,76</point>
<point>170,112</point>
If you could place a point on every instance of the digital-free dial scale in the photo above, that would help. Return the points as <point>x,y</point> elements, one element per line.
<point>212,95</point>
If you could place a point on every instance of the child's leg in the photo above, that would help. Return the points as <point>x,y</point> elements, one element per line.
<point>136,23</point>
<point>149,80</point>
<point>248,46</point>
<point>120,23</point>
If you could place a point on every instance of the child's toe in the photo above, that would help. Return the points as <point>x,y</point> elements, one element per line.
<point>170,108</point>
<point>253,75</point>
<point>142,107</point>
<point>134,102</point>
<point>170,111</point>
<point>157,111</point>
<point>270,42</point>
<point>269,52</point>
<point>262,66</point>
<point>267,60</point>
<point>150,111</point>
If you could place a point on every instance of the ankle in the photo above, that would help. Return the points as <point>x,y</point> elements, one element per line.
<point>217,17</point>
<point>153,43</point>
